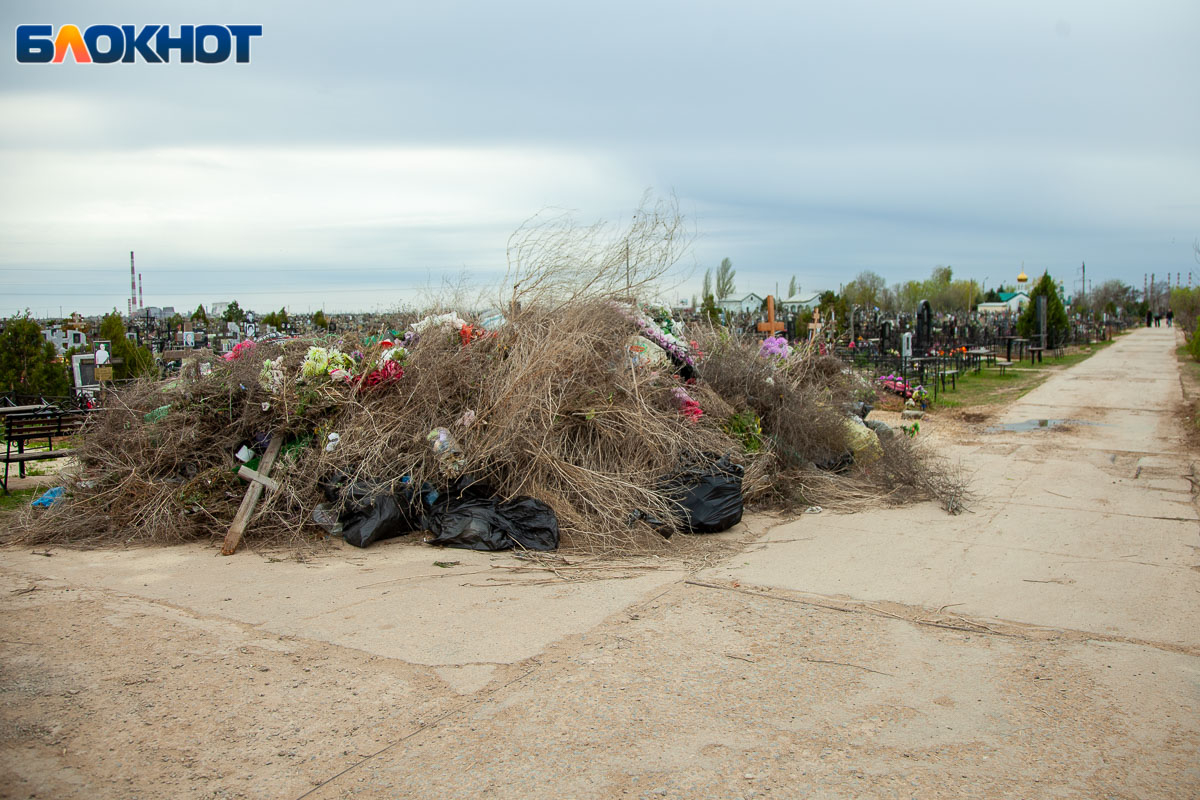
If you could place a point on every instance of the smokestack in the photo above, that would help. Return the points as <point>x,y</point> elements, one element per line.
<point>141,297</point>
<point>132,285</point>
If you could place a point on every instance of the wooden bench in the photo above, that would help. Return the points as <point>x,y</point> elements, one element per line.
<point>1001,363</point>
<point>952,374</point>
<point>20,429</point>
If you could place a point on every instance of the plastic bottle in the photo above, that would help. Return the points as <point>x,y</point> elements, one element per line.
<point>446,449</point>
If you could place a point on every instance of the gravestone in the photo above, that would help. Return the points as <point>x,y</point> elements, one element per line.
<point>924,337</point>
<point>906,345</point>
<point>885,335</point>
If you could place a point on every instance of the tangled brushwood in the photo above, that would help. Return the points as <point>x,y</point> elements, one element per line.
<point>598,409</point>
<point>587,406</point>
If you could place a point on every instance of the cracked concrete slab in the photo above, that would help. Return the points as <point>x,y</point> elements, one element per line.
<point>1061,533</point>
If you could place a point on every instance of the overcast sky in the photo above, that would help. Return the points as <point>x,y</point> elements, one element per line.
<point>374,151</point>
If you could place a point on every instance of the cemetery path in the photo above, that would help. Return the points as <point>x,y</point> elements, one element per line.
<point>1045,644</point>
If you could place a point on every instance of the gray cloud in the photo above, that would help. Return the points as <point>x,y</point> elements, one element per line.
<point>808,139</point>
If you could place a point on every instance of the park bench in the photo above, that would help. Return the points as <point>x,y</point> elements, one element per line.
<point>32,428</point>
<point>1035,354</point>
<point>1001,363</point>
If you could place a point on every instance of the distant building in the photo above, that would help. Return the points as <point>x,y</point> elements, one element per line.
<point>154,312</point>
<point>801,302</point>
<point>1010,302</point>
<point>749,303</point>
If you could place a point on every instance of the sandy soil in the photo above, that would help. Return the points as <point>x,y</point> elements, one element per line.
<point>1043,645</point>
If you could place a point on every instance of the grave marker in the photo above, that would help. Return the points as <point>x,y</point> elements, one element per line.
<point>772,326</point>
<point>258,480</point>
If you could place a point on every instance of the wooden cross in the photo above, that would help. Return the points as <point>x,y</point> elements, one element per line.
<point>772,325</point>
<point>815,326</point>
<point>258,480</point>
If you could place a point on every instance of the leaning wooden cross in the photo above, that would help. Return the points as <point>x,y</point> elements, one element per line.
<point>772,325</point>
<point>815,326</point>
<point>258,479</point>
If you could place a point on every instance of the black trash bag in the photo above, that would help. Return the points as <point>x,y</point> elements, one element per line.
<point>836,463</point>
<point>372,512</point>
<point>484,523</point>
<point>859,409</point>
<point>709,496</point>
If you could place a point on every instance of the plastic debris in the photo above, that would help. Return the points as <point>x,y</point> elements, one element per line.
<point>372,512</point>
<point>709,496</point>
<point>485,523</point>
<point>863,442</point>
<point>445,447</point>
<point>326,517</point>
<point>47,499</point>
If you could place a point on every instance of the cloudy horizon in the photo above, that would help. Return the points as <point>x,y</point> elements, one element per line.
<point>375,159</point>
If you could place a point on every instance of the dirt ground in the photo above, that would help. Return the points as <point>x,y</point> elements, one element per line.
<point>1044,644</point>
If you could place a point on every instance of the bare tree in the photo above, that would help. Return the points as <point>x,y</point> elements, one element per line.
<point>554,261</point>
<point>725,273</point>
<point>793,289</point>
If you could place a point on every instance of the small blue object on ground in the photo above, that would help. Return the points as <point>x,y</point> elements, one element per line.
<point>49,497</point>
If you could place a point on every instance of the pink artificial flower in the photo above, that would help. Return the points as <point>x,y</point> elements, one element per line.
<point>239,350</point>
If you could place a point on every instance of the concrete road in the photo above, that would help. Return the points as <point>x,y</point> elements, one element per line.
<point>1043,645</point>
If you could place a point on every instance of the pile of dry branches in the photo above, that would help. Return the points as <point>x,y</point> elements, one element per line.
<point>549,405</point>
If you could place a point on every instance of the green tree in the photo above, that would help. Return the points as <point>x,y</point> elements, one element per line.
<point>1057,324</point>
<point>835,304</point>
<point>865,290</point>
<point>234,313</point>
<point>909,295</point>
<point>706,288</point>
<point>134,361</point>
<point>725,273</point>
<point>28,363</point>
<point>709,310</point>
<point>200,315</point>
<point>319,320</point>
<point>175,323</point>
<point>1185,305</point>
<point>793,287</point>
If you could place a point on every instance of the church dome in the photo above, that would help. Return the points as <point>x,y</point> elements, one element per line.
<point>1022,278</point>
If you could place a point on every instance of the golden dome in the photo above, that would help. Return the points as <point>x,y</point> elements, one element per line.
<point>1022,278</point>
